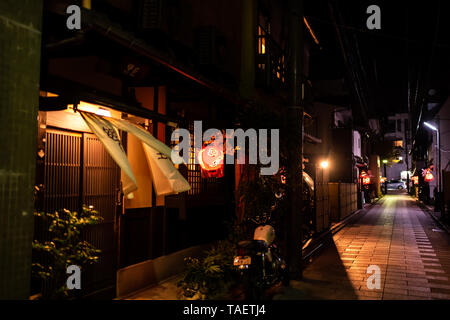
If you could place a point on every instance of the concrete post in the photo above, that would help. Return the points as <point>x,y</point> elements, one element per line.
<point>295,129</point>
<point>20,50</point>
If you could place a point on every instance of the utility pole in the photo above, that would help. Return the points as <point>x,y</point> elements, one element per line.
<point>295,141</point>
<point>406,153</point>
<point>439,150</point>
<point>407,127</point>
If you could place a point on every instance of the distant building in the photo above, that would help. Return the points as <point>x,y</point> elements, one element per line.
<point>398,132</point>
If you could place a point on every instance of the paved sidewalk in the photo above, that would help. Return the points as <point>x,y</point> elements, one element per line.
<point>166,290</point>
<point>412,252</point>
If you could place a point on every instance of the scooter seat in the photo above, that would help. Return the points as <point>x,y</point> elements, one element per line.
<point>256,245</point>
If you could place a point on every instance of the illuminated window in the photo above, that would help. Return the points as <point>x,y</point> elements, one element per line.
<point>261,40</point>
<point>47,94</point>
<point>398,143</point>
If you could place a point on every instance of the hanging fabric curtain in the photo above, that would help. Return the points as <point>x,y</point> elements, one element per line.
<point>166,178</point>
<point>109,136</point>
<point>144,136</point>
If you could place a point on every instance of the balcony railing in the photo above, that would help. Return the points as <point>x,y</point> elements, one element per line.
<point>310,126</point>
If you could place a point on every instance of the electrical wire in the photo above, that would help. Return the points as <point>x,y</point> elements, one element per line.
<point>376,33</point>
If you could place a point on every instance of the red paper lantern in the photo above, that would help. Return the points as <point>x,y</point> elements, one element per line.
<point>366,180</point>
<point>429,177</point>
<point>210,159</point>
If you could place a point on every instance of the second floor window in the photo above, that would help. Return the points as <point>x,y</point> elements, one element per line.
<point>398,143</point>
<point>271,58</point>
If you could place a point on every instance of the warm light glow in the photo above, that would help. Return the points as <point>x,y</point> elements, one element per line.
<point>324,164</point>
<point>415,179</point>
<point>366,180</point>
<point>87,4</point>
<point>385,161</point>
<point>48,94</point>
<point>429,125</point>
<point>261,41</point>
<point>398,143</point>
<point>429,177</point>
<point>310,30</point>
<point>103,112</point>
<point>382,179</point>
<point>210,159</point>
<point>93,108</point>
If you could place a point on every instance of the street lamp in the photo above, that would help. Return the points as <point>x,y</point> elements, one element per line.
<point>438,138</point>
<point>385,174</point>
<point>429,125</point>
<point>324,164</point>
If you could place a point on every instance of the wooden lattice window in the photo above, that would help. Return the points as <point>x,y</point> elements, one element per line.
<point>194,173</point>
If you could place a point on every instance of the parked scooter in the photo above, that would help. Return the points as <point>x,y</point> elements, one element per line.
<point>259,260</point>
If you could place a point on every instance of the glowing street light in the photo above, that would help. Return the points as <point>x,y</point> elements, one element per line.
<point>324,164</point>
<point>438,148</point>
<point>429,125</point>
<point>385,161</point>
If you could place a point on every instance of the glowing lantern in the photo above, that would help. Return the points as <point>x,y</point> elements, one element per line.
<point>415,179</point>
<point>366,179</point>
<point>211,161</point>
<point>429,177</point>
<point>382,179</point>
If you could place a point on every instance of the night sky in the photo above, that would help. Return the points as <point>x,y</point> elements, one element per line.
<point>385,59</point>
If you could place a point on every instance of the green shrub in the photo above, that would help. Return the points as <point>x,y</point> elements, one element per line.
<point>65,247</point>
<point>211,275</point>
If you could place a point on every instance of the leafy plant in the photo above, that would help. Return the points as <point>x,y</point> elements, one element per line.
<point>63,248</point>
<point>211,275</point>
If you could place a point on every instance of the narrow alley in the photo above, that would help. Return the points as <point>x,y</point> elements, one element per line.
<point>411,251</point>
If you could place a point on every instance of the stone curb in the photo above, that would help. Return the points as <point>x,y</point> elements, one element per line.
<point>319,242</point>
<point>426,209</point>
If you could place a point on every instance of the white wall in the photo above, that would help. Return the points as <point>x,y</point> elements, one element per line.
<point>395,169</point>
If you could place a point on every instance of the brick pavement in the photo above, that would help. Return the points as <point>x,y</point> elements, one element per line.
<point>413,255</point>
<point>395,234</point>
